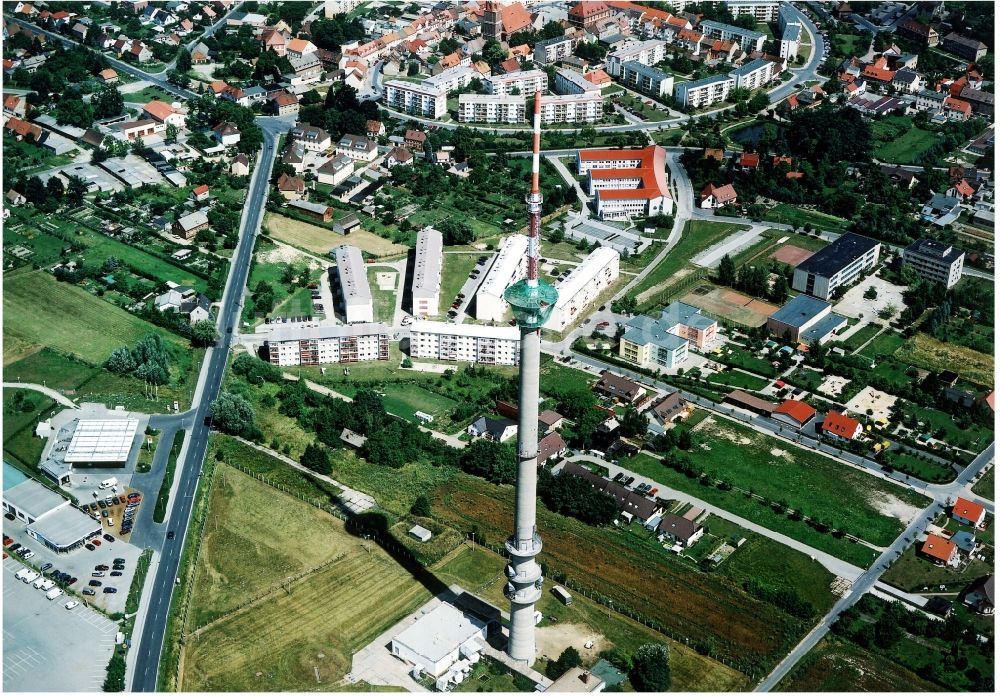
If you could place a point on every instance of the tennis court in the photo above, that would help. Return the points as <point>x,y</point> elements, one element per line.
<point>729,304</point>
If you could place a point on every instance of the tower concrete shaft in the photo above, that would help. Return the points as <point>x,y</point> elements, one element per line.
<point>531,301</point>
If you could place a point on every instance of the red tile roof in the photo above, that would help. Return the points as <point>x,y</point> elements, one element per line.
<point>159,110</point>
<point>958,105</point>
<point>652,165</point>
<point>938,547</point>
<point>750,159</point>
<point>797,410</point>
<point>723,194</point>
<point>839,424</point>
<point>963,188</point>
<point>598,77</point>
<point>968,510</point>
<point>200,190</point>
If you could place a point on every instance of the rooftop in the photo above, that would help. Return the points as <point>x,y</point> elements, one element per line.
<point>510,333</point>
<point>800,310</point>
<point>352,273</point>
<point>33,498</point>
<point>290,332</point>
<point>830,259</point>
<point>428,262</point>
<point>66,526</point>
<point>505,265</point>
<point>439,632</point>
<point>932,247</point>
<point>102,440</point>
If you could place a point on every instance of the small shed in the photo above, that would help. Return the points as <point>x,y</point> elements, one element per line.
<point>355,440</point>
<point>420,533</point>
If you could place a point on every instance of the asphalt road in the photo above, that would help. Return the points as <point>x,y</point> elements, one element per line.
<point>150,644</point>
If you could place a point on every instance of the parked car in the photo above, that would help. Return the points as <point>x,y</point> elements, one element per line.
<point>97,574</point>
<point>100,567</point>
<point>14,547</point>
<point>10,516</point>
<point>101,504</point>
<point>108,537</point>
<point>71,581</point>
<point>116,573</point>
<point>87,591</point>
<point>95,583</point>
<point>95,542</point>
<point>170,535</point>
<point>72,604</point>
<point>119,560</point>
<point>110,590</point>
<point>89,547</point>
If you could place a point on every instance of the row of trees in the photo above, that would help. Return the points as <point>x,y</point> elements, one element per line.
<point>149,360</point>
<point>755,280</point>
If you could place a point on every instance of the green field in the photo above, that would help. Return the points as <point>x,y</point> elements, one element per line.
<point>404,400</point>
<point>898,141</point>
<point>454,273</point>
<point>738,380</point>
<point>789,214</point>
<point>19,441</point>
<point>300,634</point>
<point>913,573</point>
<point>860,337</point>
<point>841,667</point>
<point>986,486</point>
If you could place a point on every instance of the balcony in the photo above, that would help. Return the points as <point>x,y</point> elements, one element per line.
<point>524,547</point>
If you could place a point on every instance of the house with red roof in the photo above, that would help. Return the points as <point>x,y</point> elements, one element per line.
<point>940,550</point>
<point>273,40</point>
<point>14,105</point>
<point>511,65</point>
<point>968,512</point>
<point>627,182</point>
<point>964,189</point>
<point>749,161</point>
<point>588,14</point>
<point>793,176</point>
<point>777,160</point>
<point>598,77</point>
<point>841,427</point>
<point>162,112</point>
<point>713,196</point>
<point>794,413</point>
<point>200,193</point>
<point>957,109</point>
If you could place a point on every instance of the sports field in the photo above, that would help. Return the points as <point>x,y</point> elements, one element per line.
<point>791,254</point>
<point>301,634</point>
<point>729,304</point>
<point>40,310</point>
<point>320,240</point>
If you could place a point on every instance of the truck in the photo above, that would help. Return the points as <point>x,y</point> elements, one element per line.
<point>109,483</point>
<point>53,593</point>
<point>562,595</point>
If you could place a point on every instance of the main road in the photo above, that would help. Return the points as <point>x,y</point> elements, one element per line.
<point>150,646</point>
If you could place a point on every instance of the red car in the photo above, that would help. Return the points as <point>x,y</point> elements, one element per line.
<point>95,542</point>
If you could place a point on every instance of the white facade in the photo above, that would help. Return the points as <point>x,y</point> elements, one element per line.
<point>572,82</point>
<point>509,266</point>
<point>552,50</point>
<point>573,108</point>
<point>748,39</point>
<point>525,82</point>
<point>647,80</point>
<point>935,261</point>
<point>426,285</point>
<point>413,98</point>
<point>704,92</point>
<point>754,74</point>
<point>789,32</point>
<point>473,343</point>
<point>490,108</point>
<point>352,283</point>
<point>582,286</point>
<point>646,52</point>
<point>452,78</point>
<point>437,640</point>
<point>762,10</point>
<point>316,345</point>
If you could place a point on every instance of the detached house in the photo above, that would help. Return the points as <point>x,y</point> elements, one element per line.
<point>968,512</point>
<point>291,187</point>
<point>357,147</point>
<point>940,550</point>
<point>680,530</point>
<point>841,427</point>
<point>185,301</point>
<point>717,196</point>
<point>620,388</point>
<point>495,429</point>
<point>163,113</point>
<point>226,133</point>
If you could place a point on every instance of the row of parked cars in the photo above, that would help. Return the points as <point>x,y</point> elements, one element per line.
<point>13,547</point>
<point>116,571</point>
<point>643,488</point>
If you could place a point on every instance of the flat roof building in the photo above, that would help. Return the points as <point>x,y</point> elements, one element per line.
<point>491,108</point>
<point>935,261</point>
<point>414,98</point>
<point>436,640</point>
<point>526,82</point>
<point>645,52</point>
<point>805,319</point>
<point>101,441</point>
<point>748,39</point>
<point>572,108</point>
<point>647,79</point>
<point>472,343</point>
<point>704,92</point>
<point>50,518</point>
<point>509,266</point>
<point>841,263</point>
<point>572,82</point>
<point>290,344</point>
<point>427,265</point>
<point>582,286</point>
<point>352,284</point>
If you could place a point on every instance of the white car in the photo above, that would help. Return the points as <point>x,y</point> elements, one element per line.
<point>72,605</point>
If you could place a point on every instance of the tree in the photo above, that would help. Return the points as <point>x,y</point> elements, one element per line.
<point>75,192</point>
<point>316,458</point>
<point>203,333</point>
<point>183,59</point>
<point>494,53</point>
<point>120,361</point>
<point>176,77</point>
<point>233,414</point>
<point>73,111</point>
<point>632,422</point>
<point>651,668</point>
<point>779,289</point>
<point>55,188</point>
<point>421,506</point>
<point>171,134</point>
<point>568,659</point>
<point>727,271</point>
<point>108,102</point>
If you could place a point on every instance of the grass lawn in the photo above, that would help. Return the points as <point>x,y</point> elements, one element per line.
<point>454,273</point>
<point>19,441</point>
<point>298,304</point>
<point>738,380</point>
<point>841,667</point>
<point>986,486</point>
<point>404,400</point>
<point>698,235</point>
<point>975,437</point>
<point>384,301</point>
<point>847,44</point>
<point>789,214</point>
<point>302,634</point>
<point>320,240</point>
<point>884,346</point>
<point>913,573</point>
<point>898,141</point>
<point>147,94</point>
<point>928,352</point>
<point>860,337</point>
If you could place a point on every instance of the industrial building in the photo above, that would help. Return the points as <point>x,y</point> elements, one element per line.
<point>352,284</point>
<point>627,183</point>
<point>524,81</point>
<point>644,52</point>
<point>426,285</point>
<point>655,343</point>
<point>418,99</point>
<point>473,343</point>
<point>440,639</point>
<point>805,319</point>
<point>491,108</point>
<point>572,108</point>
<point>508,267</point>
<point>935,261</point>
<point>647,79</point>
<point>841,263</point>
<point>101,441</point>
<point>289,344</point>
<point>582,286</point>
<point>50,518</point>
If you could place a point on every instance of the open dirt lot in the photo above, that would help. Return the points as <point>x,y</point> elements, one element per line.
<point>551,640</point>
<point>790,254</point>
<point>879,402</point>
<point>320,240</point>
<point>729,304</point>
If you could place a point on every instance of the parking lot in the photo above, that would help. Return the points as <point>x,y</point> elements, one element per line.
<point>80,563</point>
<point>47,647</point>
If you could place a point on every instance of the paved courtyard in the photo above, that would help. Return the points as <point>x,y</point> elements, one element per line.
<point>47,647</point>
<point>854,304</point>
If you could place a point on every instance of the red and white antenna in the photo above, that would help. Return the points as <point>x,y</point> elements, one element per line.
<point>534,199</point>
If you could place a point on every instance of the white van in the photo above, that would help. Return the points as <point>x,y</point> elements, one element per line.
<point>19,575</point>
<point>52,594</point>
<point>47,585</point>
<point>109,483</point>
<point>37,584</point>
<point>29,577</point>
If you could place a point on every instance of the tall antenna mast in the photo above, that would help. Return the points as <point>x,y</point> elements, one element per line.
<point>532,301</point>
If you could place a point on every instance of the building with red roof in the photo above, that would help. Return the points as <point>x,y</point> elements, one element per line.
<point>627,183</point>
<point>968,512</point>
<point>781,159</point>
<point>841,427</point>
<point>749,161</point>
<point>588,14</point>
<point>794,413</point>
<point>598,77</point>
<point>940,550</point>
<point>957,109</point>
<point>713,196</point>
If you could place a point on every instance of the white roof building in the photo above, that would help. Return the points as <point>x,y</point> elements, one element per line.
<point>352,282</point>
<point>582,286</point>
<point>435,641</point>
<point>426,285</point>
<point>102,441</point>
<point>509,266</point>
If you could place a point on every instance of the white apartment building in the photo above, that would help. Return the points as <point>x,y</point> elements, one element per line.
<point>352,285</point>
<point>704,92</point>
<point>646,52</point>
<point>413,98</point>
<point>762,10</point>
<point>748,39</point>
<point>572,82</point>
<point>491,108</point>
<point>646,79</point>
<point>935,261</point>
<point>582,286</point>
<point>313,139</point>
<point>841,263</point>
<point>627,183</point>
<point>473,343</point>
<point>754,74</point>
<point>426,285</point>
<point>509,266</point>
<point>526,82</point>
<point>789,32</point>
<point>553,50</point>
<point>452,78</point>
<point>316,345</point>
<point>573,108</point>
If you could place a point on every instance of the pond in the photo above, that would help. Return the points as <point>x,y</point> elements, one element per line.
<point>750,134</point>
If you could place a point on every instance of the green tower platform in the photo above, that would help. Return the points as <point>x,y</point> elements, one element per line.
<point>531,305</point>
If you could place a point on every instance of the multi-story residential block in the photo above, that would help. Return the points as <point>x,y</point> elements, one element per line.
<point>754,74</point>
<point>935,261</point>
<point>525,82</point>
<point>419,99</point>
<point>313,139</point>
<point>704,92</point>
<point>964,47</point>
<point>627,183</point>
<point>491,108</point>
<point>317,345</point>
<point>789,32</point>
<point>335,170</point>
<point>553,50</point>
<point>583,286</point>
<point>646,52</point>
<point>748,39</point>
<point>646,79</point>
<point>357,147</point>
<point>509,266</point>
<point>426,285</point>
<point>352,285</point>
<point>839,264</point>
<point>452,78</point>
<point>572,82</point>
<point>664,342</point>
<point>761,10</point>
<point>473,343</point>
<point>573,108</point>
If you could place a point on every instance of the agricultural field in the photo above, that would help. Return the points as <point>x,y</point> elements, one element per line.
<point>926,351</point>
<point>320,240</point>
<point>22,410</point>
<point>788,214</point>
<point>301,634</point>
<point>634,573</point>
<point>838,666</point>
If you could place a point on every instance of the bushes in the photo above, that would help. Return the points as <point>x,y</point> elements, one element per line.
<point>651,668</point>
<point>160,510</point>
<point>573,496</point>
<point>567,660</point>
